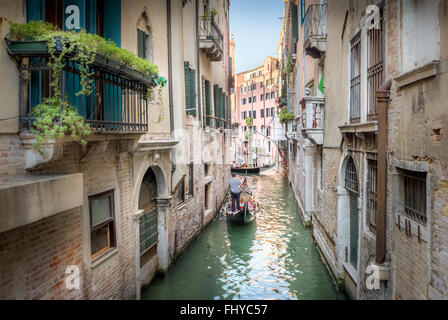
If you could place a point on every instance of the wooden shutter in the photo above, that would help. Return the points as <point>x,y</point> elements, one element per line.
<point>190,89</point>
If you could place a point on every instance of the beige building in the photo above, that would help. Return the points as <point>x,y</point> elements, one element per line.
<point>153,173</point>
<point>378,195</point>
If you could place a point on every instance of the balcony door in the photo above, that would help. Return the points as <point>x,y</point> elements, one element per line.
<point>96,16</point>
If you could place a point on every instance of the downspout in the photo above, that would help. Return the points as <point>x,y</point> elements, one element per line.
<point>198,62</point>
<point>382,100</point>
<point>170,64</point>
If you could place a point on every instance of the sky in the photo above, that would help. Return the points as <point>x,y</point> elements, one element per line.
<point>256,26</point>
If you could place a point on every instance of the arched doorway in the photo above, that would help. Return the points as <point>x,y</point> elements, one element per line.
<point>148,221</point>
<point>351,184</point>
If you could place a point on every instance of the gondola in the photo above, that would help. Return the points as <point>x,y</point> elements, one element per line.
<point>246,214</point>
<point>249,170</point>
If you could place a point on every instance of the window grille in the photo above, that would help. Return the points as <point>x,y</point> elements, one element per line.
<point>351,178</point>
<point>375,73</point>
<point>371,195</point>
<point>355,79</point>
<point>415,195</point>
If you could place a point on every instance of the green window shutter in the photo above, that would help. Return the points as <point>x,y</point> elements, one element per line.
<point>190,89</point>
<point>216,99</point>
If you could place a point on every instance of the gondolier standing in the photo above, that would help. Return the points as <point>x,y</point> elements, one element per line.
<point>254,159</point>
<point>235,191</point>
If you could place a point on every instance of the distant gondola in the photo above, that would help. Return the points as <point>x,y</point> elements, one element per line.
<point>249,170</point>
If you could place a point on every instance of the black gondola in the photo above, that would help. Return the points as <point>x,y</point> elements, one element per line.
<point>249,170</point>
<point>243,216</point>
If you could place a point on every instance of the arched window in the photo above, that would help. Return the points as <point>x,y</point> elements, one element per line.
<point>351,183</point>
<point>144,37</point>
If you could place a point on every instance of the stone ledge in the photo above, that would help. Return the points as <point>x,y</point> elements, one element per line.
<point>427,71</point>
<point>27,199</point>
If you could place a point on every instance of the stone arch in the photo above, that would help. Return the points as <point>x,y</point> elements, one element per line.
<point>162,190</point>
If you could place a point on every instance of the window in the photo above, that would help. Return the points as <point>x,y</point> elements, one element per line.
<point>302,11</point>
<point>241,90</point>
<point>206,169</point>
<point>355,79</point>
<point>371,195</point>
<point>190,89</point>
<point>142,44</point>
<point>272,95</point>
<point>207,98</point>
<point>415,195</point>
<point>254,99</point>
<point>207,196</point>
<point>148,235</point>
<point>262,129</point>
<point>249,100</point>
<point>244,115</point>
<point>254,86</point>
<point>181,192</point>
<point>250,113</point>
<point>375,73</point>
<point>268,131</point>
<point>102,223</point>
<point>272,111</point>
<point>262,113</point>
<point>261,84</point>
<point>190,180</point>
<point>261,97</point>
<point>267,96</point>
<point>267,112</point>
<point>255,128</point>
<point>254,114</point>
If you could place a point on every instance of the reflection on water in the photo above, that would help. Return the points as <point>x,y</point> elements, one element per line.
<point>273,258</point>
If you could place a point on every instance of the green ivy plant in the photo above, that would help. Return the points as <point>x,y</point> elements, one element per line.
<point>55,117</point>
<point>249,121</point>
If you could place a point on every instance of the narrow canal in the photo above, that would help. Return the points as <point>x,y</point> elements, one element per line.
<point>273,258</point>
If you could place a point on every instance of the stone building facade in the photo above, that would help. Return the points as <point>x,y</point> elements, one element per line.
<point>110,213</point>
<point>379,218</point>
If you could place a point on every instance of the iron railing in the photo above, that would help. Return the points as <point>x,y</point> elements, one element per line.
<point>213,33</point>
<point>216,123</point>
<point>148,230</point>
<point>118,103</point>
<point>315,22</point>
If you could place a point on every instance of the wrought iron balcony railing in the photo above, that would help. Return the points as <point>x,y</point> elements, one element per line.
<point>211,40</point>
<point>315,29</point>
<point>118,103</point>
<point>216,123</point>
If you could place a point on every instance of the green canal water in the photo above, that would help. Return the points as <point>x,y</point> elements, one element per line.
<point>273,258</point>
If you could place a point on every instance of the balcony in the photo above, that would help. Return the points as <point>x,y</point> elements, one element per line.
<point>211,40</point>
<point>118,103</point>
<point>315,30</point>
<point>216,123</point>
<point>313,120</point>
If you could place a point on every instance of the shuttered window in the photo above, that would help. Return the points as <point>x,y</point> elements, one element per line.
<point>207,98</point>
<point>141,43</point>
<point>190,89</point>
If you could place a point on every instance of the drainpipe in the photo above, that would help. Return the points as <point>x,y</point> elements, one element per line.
<point>170,64</point>
<point>198,62</point>
<point>382,100</point>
